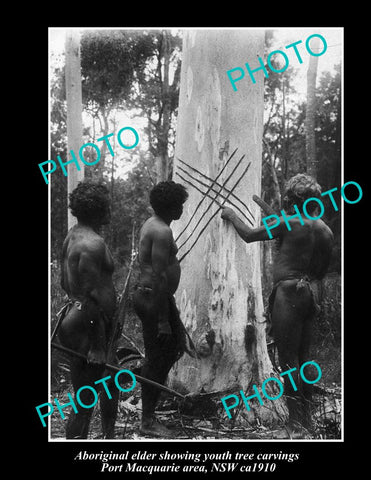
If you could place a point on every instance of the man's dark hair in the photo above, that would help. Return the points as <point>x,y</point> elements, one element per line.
<point>298,189</point>
<point>89,201</point>
<point>166,195</point>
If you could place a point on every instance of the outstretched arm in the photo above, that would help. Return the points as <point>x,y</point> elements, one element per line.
<point>324,244</point>
<point>248,234</point>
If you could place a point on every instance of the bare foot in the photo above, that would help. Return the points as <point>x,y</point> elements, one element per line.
<point>96,357</point>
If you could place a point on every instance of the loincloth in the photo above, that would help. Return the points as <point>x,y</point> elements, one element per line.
<point>67,307</point>
<point>63,312</point>
<point>182,337</point>
<point>301,283</point>
<point>70,303</point>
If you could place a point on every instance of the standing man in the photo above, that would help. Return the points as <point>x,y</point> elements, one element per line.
<point>304,254</point>
<point>88,324</point>
<point>163,332</point>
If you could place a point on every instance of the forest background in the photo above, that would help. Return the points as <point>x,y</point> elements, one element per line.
<point>132,78</point>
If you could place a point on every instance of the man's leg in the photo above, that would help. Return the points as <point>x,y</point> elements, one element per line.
<point>82,375</point>
<point>109,406</point>
<point>289,315</point>
<point>160,357</point>
<point>310,371</point>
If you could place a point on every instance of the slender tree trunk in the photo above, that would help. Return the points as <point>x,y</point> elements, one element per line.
<point>276,201</point>
<point>220,293</point>
<point>112,190</point>
<point>103,119</point>
<point>284,139</point>
<point>74,111</point>
<point>310,140</point>
<point>163,157</point>
<point>338,133</point>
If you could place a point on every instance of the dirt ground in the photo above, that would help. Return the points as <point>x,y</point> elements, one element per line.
<point>201,420</point>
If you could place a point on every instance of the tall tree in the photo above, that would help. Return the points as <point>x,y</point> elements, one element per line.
<point>163,157</point>
<point>74,109</point>
<point>280,131</point>
<point>58,146</point>
<point>310,139</point>
<point>159,92</point>
<point>111,62</point>
<point>219,295</point>
<point>328,146</point>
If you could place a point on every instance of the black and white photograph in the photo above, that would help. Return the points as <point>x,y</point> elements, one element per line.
<point>196,197</point>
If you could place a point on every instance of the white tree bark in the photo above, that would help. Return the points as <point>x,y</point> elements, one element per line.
<point>310,138</point>
<point>220,296</point>
<point>74,112</point>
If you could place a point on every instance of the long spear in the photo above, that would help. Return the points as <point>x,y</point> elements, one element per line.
<point>211,203</point>
<point>121,307</point>
<point>113,368</point>
<point>213,215</point>
<point>212,189</point>
<point>217,184</point>
<point>203,198</point>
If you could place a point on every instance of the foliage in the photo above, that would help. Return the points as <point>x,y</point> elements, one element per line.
<point>111,60</point>
<point>284,135</point>
<point>328,128</point>
<point>130,204</point>
<point>58,143</point>
<point>157,94</point>
<point>125,69</point>
<point>284,152</point>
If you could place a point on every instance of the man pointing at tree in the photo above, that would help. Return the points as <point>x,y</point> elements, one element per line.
<point>304,254</point>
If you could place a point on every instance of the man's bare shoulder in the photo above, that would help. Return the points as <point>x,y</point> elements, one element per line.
<point>156,230</point>
<point>322,230</point>
<point>87,243</point>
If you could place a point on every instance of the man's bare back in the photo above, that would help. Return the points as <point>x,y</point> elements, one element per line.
<point>87,268</point>
<point>88,324</point>
<point>84,252</point>
<point>305,250</point>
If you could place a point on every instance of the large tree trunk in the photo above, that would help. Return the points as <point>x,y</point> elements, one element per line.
<point>310,140</point>
<point>220,295</point>
<point>74,112</point>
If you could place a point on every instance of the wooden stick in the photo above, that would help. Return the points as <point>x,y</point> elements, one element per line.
<point>60,317</point>
<point>121,307</point>
<point>133,344</point>
<point>211,203</point>
<point>212,216</point>
<point>263,205</point>
<point>220,194</point>
<point>203,198</point>
<point>217,184</point>
<point>116,369</point>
